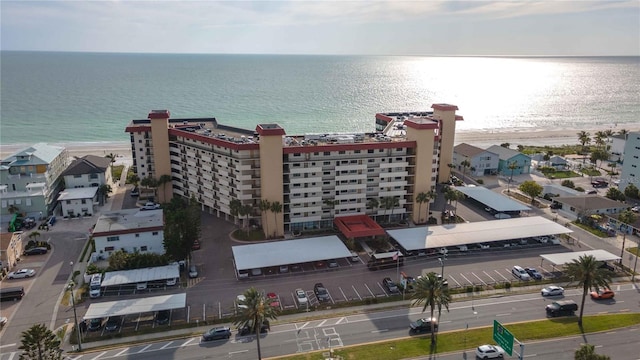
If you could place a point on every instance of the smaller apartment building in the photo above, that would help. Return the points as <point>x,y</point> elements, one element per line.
<point>481,162</point>
<point>630,173</point>
<point>11,247</point>
<point>131,230</point>
<point>88,171</point>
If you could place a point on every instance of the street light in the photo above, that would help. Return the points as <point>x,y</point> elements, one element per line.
<point>441,260</point>
<point>70,287</point>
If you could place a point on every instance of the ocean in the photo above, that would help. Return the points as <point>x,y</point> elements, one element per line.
<point>90,97</point>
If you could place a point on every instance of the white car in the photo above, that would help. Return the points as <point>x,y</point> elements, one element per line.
<point>520,273</point>
<point>240,299</point>
<point>489,352</point>
<point>151,206</point>
<point>635,209</point>
<point>22,273</point>
<point>301,296</point>
<point>3,320</point>
<point>552,291</point>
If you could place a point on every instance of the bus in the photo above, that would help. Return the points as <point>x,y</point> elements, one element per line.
<point>12,293</point>
<point>385,260</point>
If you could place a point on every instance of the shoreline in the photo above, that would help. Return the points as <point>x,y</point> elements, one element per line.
<point>478,138</point>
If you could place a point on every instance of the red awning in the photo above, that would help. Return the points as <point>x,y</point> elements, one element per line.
<point>356,226</point>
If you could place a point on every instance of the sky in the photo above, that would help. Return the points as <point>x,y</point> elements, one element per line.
<point>457,28</point>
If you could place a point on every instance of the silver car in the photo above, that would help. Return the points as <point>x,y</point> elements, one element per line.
<point>552,291</point>
<point>22,273</point>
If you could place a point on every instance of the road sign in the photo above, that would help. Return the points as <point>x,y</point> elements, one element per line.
<point>503,337</point>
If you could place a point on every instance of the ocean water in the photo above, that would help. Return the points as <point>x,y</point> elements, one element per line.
<point>90,97</point>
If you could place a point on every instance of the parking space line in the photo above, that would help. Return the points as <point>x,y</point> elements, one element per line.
<point>166,345</point>
<point>99,355</point>
<point>490,277</point>
<point>469,281</point>
<point>501,275</point>
<point>121,352</point>
<point>454,280</point>
<point>295,301</point>
<point>343,295</point>
<point>474,274</point>
<point>340,320</point>
<point>187,342</point>
<point>322,323</point>
<point>303,325</point>
<point>370,292</point>
<point>144,348</point>
<point>354,289</point>
<point>381,288</point>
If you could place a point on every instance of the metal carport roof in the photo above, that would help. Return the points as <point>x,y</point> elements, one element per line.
<point>114,278</point>
<point>491,199</point>
<point>136,306</point>
<point>564,258</point>
<point>288,252</point>
<point>427,237</point>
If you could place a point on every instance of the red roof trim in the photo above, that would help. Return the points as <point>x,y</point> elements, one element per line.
<point>356,226</point>
<point>269,131</point>
<point>348,147</point>
<point>420,124</point>
<point>132,129</point>
<point>444,107</point>
<point>159,114</point>
<point>459,118</point>
<point>128,231</point>
<point>213,141</point>
<point>384,117</point>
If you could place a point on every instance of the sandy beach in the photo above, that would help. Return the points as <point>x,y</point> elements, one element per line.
<point>482,139</point>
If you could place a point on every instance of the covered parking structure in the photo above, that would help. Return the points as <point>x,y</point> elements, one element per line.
<point>124,277</point>
<point>257,256</point>
<point>430,237</point>
<point>357,226</point>
<point>499,203</point>
<point>136,306</point>
<point>567,257</point>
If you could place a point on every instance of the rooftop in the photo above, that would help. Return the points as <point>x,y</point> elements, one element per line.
<point>37,154</point>
<point>129,220</point>
<point>78,193</point>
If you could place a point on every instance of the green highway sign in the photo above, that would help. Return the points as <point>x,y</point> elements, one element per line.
<point>503,337</point>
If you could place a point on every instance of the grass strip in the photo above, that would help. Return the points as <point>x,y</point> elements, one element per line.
<point>466,339</point>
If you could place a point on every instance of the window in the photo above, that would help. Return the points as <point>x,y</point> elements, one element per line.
<point>137,235</point>
<point>109,248</point>
<point>83,201</point>
<point>113,238</point>
<point>143,248</point>
<point>154,233</point>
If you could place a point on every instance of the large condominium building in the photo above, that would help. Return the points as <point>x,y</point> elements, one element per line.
<point>630,173</point>
<point>311,178</point>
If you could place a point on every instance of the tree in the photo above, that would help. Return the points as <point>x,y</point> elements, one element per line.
<point>13,209</point>
<point>332,203</point>
<point>276,208</point>
<point>628,218</point>
<point>234,208</point>
<point>373,204</point>
<point>465,164</point>
<point>133,179</point>
<point>632,191</point>
<point>531,188</point>
<point>111,157</point>
<point>612,172</point>
<point>264,206</point>
<point>431,292</point>
<point>34,235</point>
<point>511,166</point>
<point>254,312</point>
<point>386,203</point>
<point>587,352</point>
<point>568,183</point>
<point>584,138</point>
<point>103,192</point>
<point>246,210</point>
<point>421,198</point>
<point>586,271</point>
<point>163,181</point>
<point>40,343</point>
<point>182,226</point>
<point>150,183</point>
<point>615,194</point>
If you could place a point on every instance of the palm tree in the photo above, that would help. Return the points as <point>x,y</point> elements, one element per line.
<point>254,312</point>
<point>150,183</point>
<point>163,181</point>
<point>373,204</point>
<point>431,291</point>
<point>586,271</point>
<point>421,198</point>
<point>276,208</point>
<point>584,138</point>
<point>265,206</point>
<point>395,202</point>
<point>13,209</point>
<point>465,164</point>
<point>627,218</point>
<point>234,208</point>
<point>39,343</point>
<point>613,166</point>
<point>512,166</point>
<point>246,210</point>
<point>387,203</point>
<point>34,235</point>
<point>332,203</point>
<point>103,192</point>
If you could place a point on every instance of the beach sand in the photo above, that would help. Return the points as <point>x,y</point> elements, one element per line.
<point>481,139</point>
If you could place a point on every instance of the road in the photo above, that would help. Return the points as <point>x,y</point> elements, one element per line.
<point>341,331</point>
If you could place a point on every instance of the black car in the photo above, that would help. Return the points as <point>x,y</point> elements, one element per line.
<point>423,325</point>
<point>248,328</point>
<point>390,285</point>
<point>113,323</point>
<point>607,266</point>
<point>35,251</point>
<point>162,317</point>
<point>321,292</point>
<point>95,324</point>
<point>217,333</point>
<point>535,274</point>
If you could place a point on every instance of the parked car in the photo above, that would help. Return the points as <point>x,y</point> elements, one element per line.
<point>162,317</point>
<point>22,273</point>
<point>552,290</point>
<point>217,333</point>
<point>240,299</point>
<point>390,285</point>
<point>113,323</point>
<point>35,251</point>
<point>273,300</point>
<point>321,292</point>
<point>534,273</point>
<point>563,307</point>
<point>483,246</point>
<point>520,273</point>
<point>284,269</point>
<point>135,192</point>
<point>635,209</point>
<point>333,263</point>
<point>489,352</point>
<point>3,321</point>
<point>354,257</point>
<point>193,272</point>
<point>423,324</point>
<point>248,329</point>
<point>95,324</point>
<point>602,294</point>
<point>150,206</point>
<point>301,296</point>
<point>606,265</point>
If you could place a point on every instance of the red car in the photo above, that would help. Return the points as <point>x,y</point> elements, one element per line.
<point>273,300</point>
<point>602,294</point>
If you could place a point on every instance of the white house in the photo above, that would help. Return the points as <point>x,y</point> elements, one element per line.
<point>78,202</point>
<point>555,161</point>
<point>131,230</point>
<point>88,171</point>
<point>481,161</point>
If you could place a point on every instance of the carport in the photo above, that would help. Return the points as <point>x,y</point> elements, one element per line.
<point>429,237</point>
<point>567,257</point>
<point>497,202</point>
<point>136,306</point>
<point>116,278</point>
<point>288,252</point>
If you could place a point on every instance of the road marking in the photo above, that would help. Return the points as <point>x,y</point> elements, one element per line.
<point>237,352</point>
<point>531,355</point>
<point>121,352</point>
<point>370,292</point>
<point>99,355</point>
<point>454,280</point>
<point>490,277</point>
<point>166,345</point>
<point>340,320</point>
<point>7,345</point>
<point>343,295</point>
<point>379,331</point>
<point>469,281</point>
<point>497,272</point>
<point>11,355</point>
<point>145,348</point>
<point>505,314</point>
<point>301,327</point>
<point>187,342</point>
<point>354,289</point>
<point>474,274</point>
<point>381,288</point>
<point>322,323</point>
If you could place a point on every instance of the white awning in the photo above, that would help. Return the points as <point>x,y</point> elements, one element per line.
<point>565,258</point>
<point>277,253</point>
<point>136,306</point>
<point>114,278</point>
<point>492,199</point>
<point>429,237</point>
